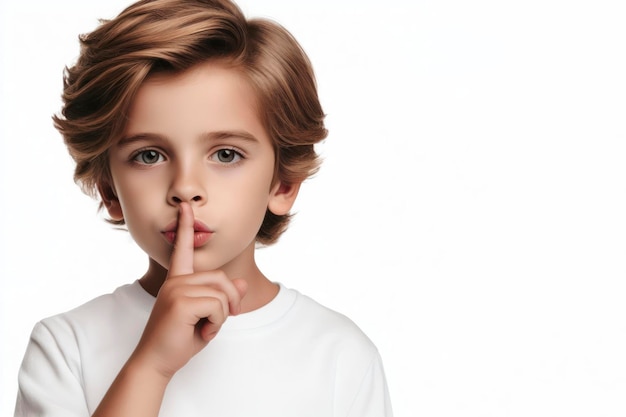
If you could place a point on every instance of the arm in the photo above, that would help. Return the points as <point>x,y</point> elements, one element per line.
<point>189,311</point>
<point>137,391</point>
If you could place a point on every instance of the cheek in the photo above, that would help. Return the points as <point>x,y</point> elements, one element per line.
<point>248,200</point>
<point>252,183</point>
<point>137,200</point>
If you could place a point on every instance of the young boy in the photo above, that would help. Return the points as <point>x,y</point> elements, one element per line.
<point>196,128</point>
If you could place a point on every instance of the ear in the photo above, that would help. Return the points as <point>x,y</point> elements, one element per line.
<point>110,201</point>
<point>282,197</point>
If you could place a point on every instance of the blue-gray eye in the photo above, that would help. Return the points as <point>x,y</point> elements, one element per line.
<point>227,156</point>
<point>148,157</point>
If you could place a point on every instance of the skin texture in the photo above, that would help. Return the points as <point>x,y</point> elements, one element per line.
<point>192,177</point>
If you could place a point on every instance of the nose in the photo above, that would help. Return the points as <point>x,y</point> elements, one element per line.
<point>186,186</point>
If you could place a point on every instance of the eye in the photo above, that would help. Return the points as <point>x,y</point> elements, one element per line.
<point>148,157</point>
<point>226,156</point>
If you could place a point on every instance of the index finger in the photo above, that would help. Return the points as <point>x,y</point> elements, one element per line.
<point>181,261</point>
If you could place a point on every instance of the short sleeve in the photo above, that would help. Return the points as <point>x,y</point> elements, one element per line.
<point>49,378</point>
<point>372,398</point>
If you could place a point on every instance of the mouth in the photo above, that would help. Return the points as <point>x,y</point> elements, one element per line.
<point>201,233</point>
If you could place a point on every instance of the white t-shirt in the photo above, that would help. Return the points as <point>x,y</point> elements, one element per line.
<point>292,357</point>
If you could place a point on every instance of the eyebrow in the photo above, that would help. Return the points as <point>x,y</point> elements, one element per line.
<point>211,136</point>
<point>228,134</point>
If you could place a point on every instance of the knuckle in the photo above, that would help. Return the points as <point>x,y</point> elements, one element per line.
<point>178,304</point>
<point>175,293</point>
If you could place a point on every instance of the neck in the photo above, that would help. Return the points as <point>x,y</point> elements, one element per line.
<point>260,289</point>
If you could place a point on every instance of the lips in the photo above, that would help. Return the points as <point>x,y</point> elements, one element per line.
<point>201,233</point>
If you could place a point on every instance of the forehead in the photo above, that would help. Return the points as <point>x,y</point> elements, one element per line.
<point>208,97</point>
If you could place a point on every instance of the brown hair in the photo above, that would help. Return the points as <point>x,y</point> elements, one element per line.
<point>154,36</point>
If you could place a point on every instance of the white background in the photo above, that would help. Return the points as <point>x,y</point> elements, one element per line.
<point>470,215</point>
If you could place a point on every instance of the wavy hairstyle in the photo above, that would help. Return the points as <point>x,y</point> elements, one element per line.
<point>155,36</point>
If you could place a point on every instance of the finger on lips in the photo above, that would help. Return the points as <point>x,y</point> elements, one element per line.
<point>181,261</point>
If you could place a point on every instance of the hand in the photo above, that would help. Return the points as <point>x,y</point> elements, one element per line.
<point>190,307</point>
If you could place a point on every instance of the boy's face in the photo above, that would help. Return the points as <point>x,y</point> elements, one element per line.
<point>196,137</point>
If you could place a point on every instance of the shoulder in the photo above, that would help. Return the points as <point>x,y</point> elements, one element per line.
<point>97,333</point>
<point>65,349</point>
<point>124,304</point>
<point>129,296</point>
<point>360,387</point>
<point>330,327</point>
